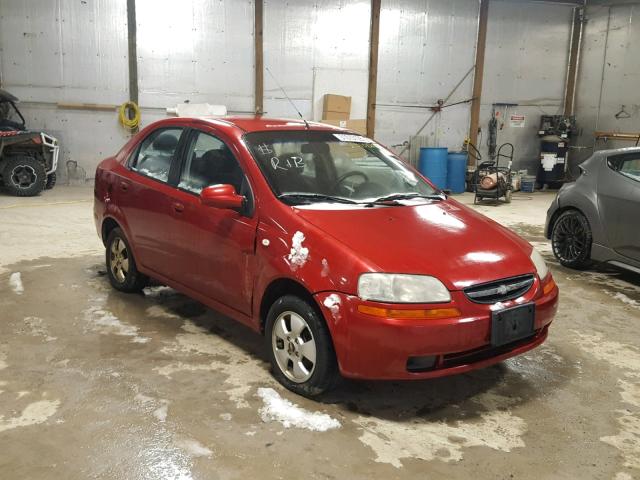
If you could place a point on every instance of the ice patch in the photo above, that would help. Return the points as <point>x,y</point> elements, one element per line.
<point>299,254</point>
<point>15,281</point>
<point>624,299</point>
<point>332,302</point>
<point>161,412</point>
<point>107,323</point>
<point>226,417</point>
<point>393,441</point>
<point>290,415</point>
<point>160,312</point>
<point>193,447</point>
<point>33,414</point>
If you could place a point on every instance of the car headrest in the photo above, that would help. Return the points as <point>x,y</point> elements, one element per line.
<point>220,161</point>
<point>315,147</point>
<point>165,142</point>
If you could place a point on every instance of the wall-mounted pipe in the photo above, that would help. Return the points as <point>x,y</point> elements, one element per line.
<point>573,63</point>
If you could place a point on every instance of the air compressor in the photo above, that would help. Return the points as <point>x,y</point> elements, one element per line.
<point>555,134</point>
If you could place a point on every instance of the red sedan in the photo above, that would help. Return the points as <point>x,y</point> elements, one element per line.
<point>347,260</point>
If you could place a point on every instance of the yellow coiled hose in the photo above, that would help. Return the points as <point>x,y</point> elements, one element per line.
<point>129,123</point>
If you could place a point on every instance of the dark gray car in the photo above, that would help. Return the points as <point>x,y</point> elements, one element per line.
<point>597,217</point>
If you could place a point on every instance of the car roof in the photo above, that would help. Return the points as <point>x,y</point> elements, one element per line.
<point>264,124</point>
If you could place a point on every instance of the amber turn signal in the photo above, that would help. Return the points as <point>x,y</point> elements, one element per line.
<point>549,286</point>
<point>431,313</point>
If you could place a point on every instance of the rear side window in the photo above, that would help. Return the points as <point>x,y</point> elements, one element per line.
<point>627,165</point>
<point>156,152</point>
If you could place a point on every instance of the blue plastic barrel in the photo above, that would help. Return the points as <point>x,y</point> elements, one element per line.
<point>456,171</point>
<point>433,165</point>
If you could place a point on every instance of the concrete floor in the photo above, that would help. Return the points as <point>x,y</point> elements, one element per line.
<point>97,384</point>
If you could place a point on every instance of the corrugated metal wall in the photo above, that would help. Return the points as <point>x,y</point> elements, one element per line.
<point>609,76</point>
<point>202,50</point>
<point>312,47</point>
<point>426,47</point>
<point>67,51</point>
<point>525,63</point>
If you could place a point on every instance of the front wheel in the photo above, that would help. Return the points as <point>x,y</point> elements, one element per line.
<point>300,347</point>
<point>571,240</point>
<point>121,266</point>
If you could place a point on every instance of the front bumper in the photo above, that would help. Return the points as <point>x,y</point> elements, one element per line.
<point>370,347</point>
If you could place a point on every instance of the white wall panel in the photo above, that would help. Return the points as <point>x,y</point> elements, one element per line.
<point>426,47</point>
<point>613,72</point>
<point>196,50</point>
<point>526,63</point>
<point>313,47</point>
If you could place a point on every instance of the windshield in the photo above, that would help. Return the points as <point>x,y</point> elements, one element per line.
<point>313,166</point>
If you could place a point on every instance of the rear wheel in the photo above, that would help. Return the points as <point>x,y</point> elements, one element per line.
<point>121,266</point>
<point>300,347</point>
<point>24,176</point>
<point>571,240</point>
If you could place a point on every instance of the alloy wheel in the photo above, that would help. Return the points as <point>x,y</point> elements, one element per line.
<point>23,176</point>
<point>569,239</point>
<point>119,260</point>
<point>294,347</point>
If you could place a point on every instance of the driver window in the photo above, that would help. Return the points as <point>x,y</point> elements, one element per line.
<point>209,162</point>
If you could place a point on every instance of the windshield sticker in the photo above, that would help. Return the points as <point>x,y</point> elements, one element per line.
<point>264,149</point>
<point>346,137</point>
<point>287,163</point>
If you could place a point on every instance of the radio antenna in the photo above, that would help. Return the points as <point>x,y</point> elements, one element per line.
<point>287,97</point>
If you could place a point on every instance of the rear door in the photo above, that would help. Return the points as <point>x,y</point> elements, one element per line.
<point>619,202</point>
<point>216,247</point>
<point>144,196</point>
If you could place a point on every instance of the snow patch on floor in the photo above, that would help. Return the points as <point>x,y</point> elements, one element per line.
<point>627,358</point>
<point>105,322</point>
<point>232,361</point>
<point>34,413</point>
<point>161,412</point>
<point>278,409</point>
<point>624,299</point>
<point>37,328</point>
<point>15,282</point>
<point>193,448</point>
<point>299,254</point>
<point>159,311</point>
<point>393,441</point>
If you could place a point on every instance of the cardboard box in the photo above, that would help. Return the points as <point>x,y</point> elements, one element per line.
<point>337,103</point>
<point>359,126</point>
<point>335,115</point>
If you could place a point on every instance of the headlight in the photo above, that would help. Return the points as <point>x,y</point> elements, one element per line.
<point>401,288</point>
<point>540,264</point>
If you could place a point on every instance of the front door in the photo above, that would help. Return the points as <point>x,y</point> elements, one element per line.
<point>619,199</point>
<point>216,246</point>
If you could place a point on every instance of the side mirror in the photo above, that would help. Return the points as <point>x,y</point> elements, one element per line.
<point>221,196</point>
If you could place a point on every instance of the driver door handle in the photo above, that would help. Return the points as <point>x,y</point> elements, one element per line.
<point>178,207</point>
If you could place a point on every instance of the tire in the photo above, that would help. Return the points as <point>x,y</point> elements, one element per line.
<point>121,266</point>
<point>24,176</point>
<point>571,240</point>
<point>51,181</point>
<point>291,324</point>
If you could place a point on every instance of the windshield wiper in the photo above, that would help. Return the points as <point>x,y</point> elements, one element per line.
<point>403,196</point>
<point>316,196</point>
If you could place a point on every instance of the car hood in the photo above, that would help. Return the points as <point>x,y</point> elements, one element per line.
<point>443,239</point>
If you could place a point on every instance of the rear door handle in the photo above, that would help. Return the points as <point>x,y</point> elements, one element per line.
<point>178,207</point>
<point>124,186</point>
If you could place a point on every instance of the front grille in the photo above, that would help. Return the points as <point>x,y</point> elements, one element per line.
<point>499,290</point>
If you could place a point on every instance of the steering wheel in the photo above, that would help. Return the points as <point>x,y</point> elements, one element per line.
<point>353,173</point>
